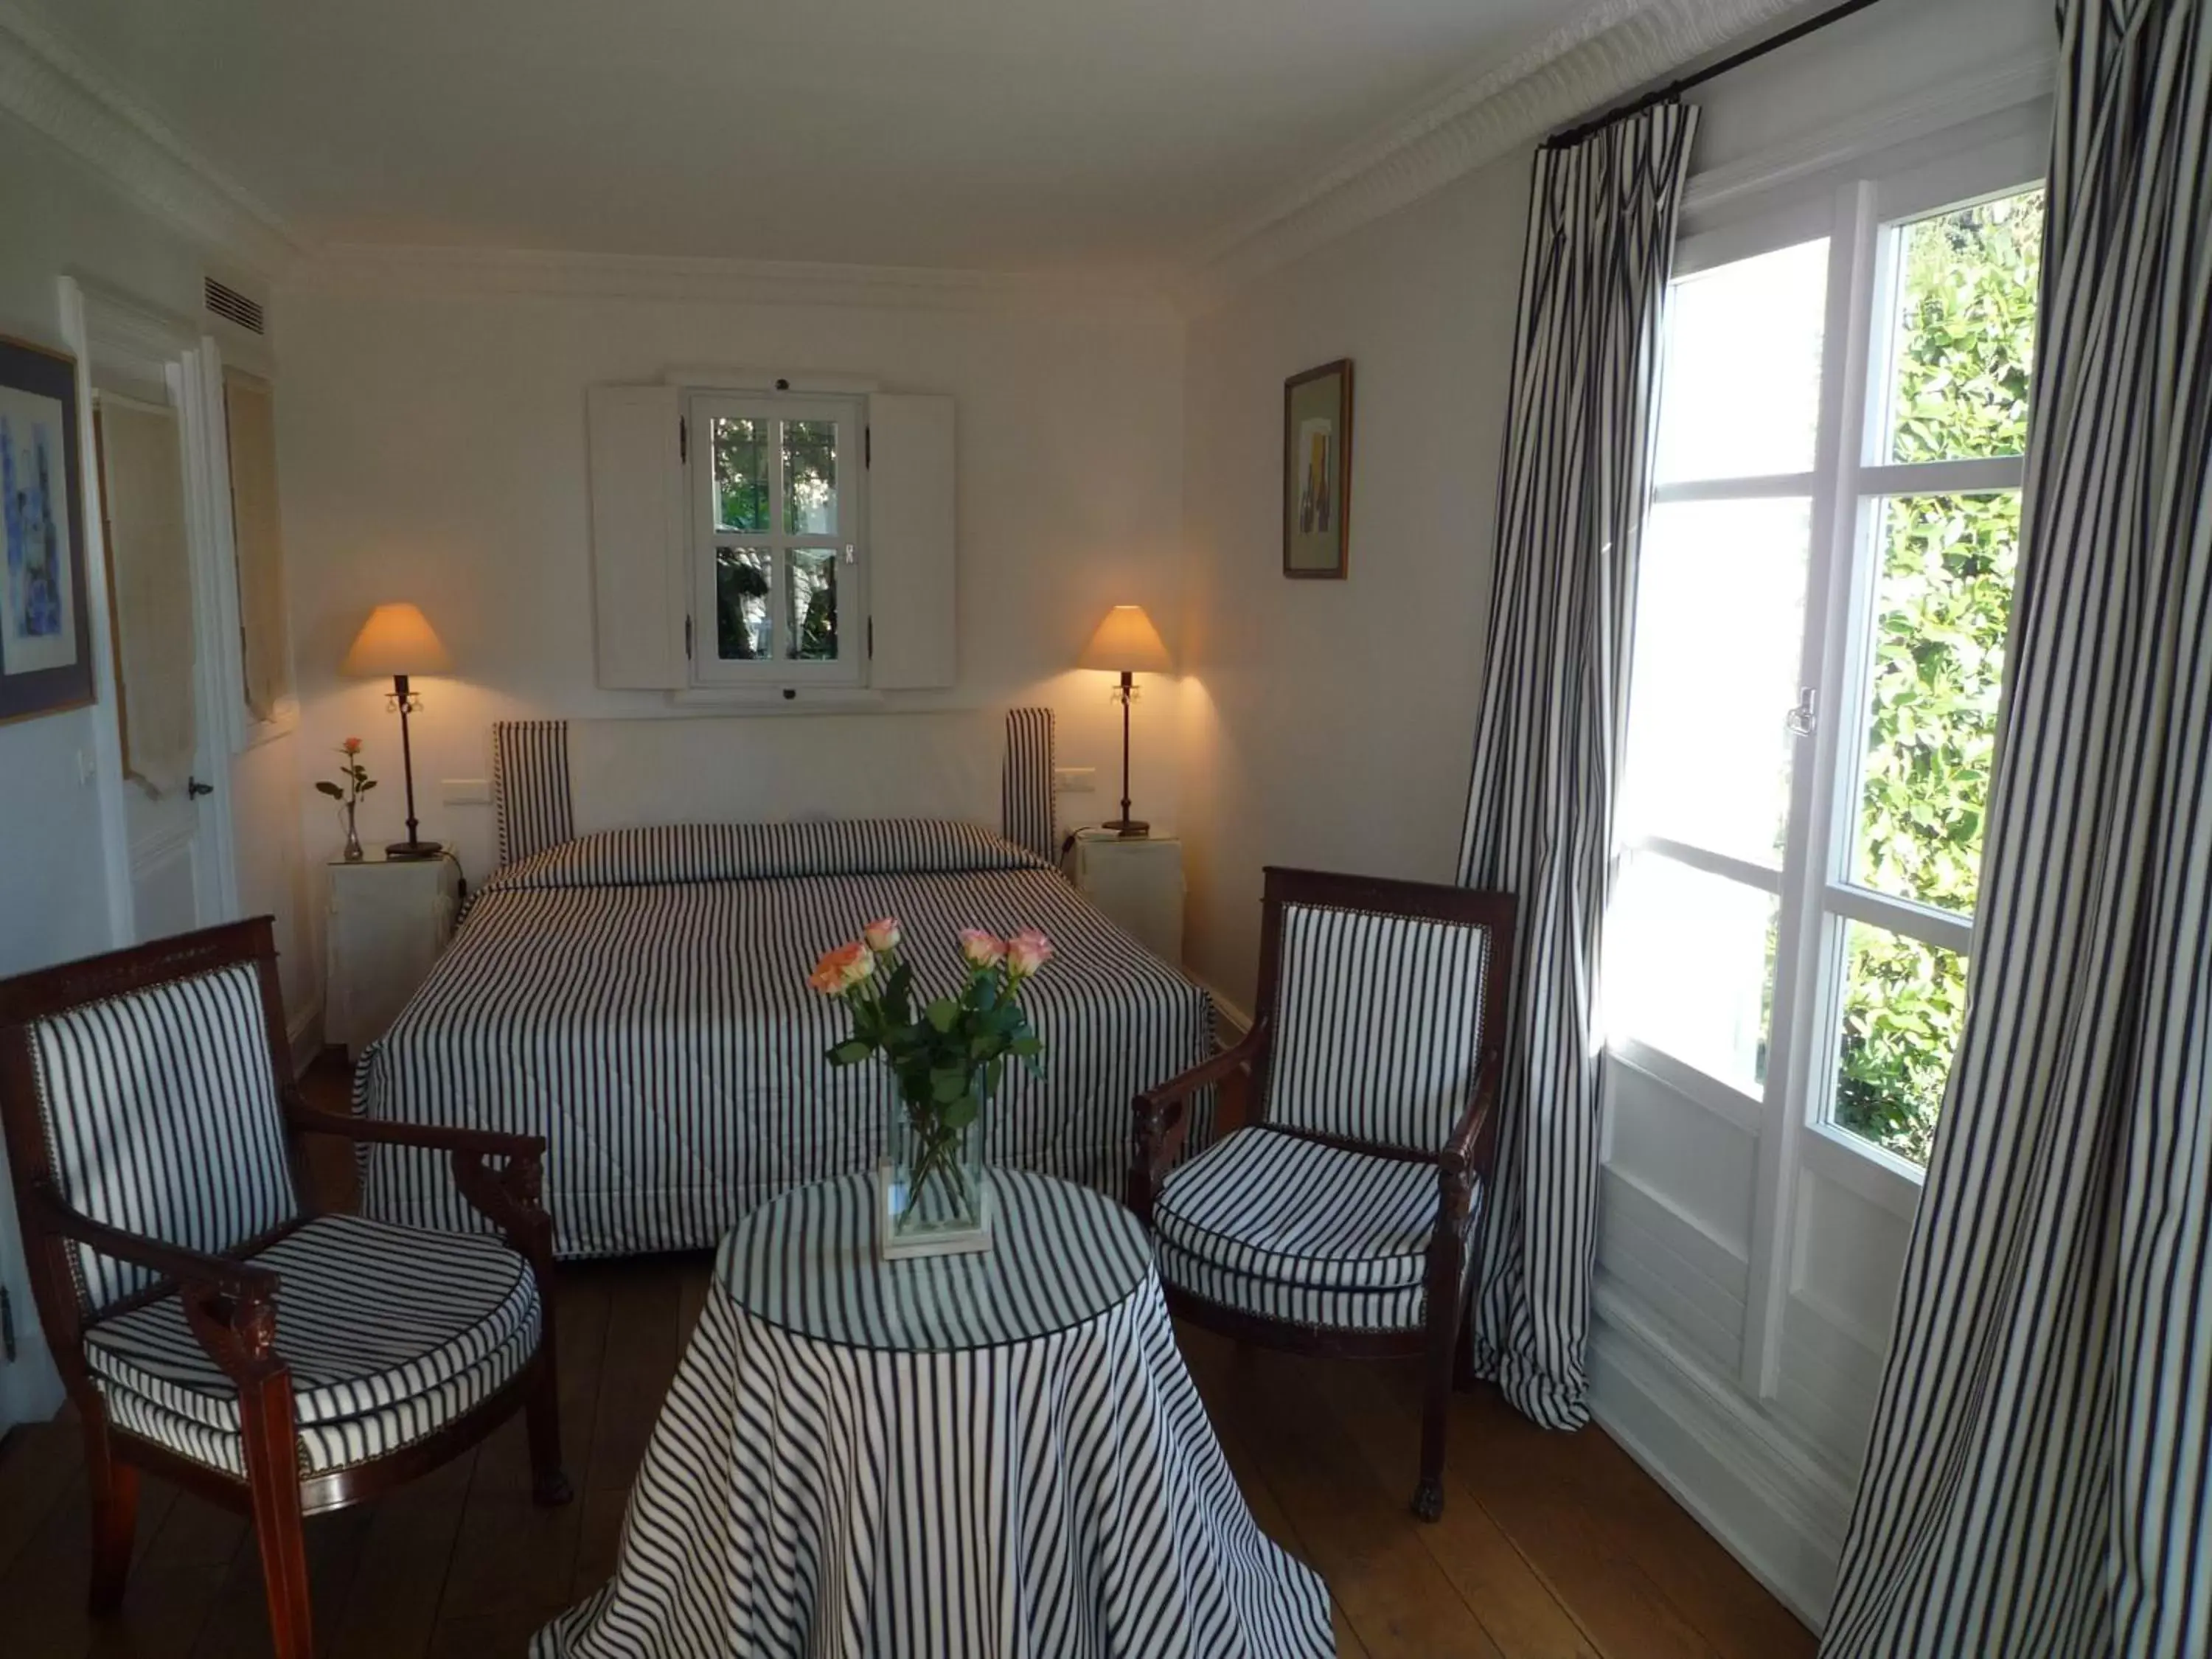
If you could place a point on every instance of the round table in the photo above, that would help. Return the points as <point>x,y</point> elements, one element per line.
<point>993,1454</point>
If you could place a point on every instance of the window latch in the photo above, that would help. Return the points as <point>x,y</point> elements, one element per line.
<point>1805,718</point>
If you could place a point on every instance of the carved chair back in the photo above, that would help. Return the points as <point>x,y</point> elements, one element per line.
<point>1380,999</point>
<point>140,1089</point>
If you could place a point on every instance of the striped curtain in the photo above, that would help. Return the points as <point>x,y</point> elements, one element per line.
<point>2038,1480</point>
<point>1540,810</point>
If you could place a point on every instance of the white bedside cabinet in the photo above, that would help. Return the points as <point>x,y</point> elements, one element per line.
<point>389,918</point>
<point>1138,882</point>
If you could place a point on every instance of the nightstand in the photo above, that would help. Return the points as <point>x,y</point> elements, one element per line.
<point>1138,882</point>
<point>389,918</point>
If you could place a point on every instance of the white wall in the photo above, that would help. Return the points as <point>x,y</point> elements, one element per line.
<point>1334,724</point>
<point>432,448</point>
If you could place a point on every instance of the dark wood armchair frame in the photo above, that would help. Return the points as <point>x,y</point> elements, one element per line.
<point>231,1305</point>
<point>1464,1162</point>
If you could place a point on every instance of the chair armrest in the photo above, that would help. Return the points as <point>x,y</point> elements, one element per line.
<point>1163,1123</point>
<point>1466,1155</point>
<point>509,1199</point>
<point>432,1137</point>
<point>230,1306</point>
<point>241,1281</point>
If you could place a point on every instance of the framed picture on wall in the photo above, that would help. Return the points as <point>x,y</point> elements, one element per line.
<point>1317,471</point>
<point>46,633</point>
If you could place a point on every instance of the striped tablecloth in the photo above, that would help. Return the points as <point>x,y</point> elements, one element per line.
<point>998,1455</point>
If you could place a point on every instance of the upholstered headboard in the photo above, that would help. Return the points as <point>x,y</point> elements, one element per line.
<point>553,780</point>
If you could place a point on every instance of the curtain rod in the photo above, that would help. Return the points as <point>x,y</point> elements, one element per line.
<point>1668,94</point>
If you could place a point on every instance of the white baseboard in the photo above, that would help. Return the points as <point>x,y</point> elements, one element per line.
<point>1771,1504</point>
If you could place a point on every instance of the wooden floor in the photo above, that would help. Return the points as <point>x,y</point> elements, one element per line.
<point>1550,1544</point>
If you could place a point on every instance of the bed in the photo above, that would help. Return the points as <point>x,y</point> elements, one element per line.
<point>634,991</point>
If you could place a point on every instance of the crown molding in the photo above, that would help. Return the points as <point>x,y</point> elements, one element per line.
<point>359,269</point>
<point>53,88</point>
<point>1606,51</point>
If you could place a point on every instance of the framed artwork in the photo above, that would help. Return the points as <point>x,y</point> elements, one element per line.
<point>1317,471</point>
<point>45,634</point>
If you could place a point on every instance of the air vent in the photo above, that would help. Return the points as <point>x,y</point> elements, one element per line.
<point>227,301</point>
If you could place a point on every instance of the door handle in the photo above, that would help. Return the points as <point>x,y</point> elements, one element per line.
<point>194,789</point>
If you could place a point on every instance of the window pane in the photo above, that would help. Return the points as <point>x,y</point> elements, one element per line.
<point>1965,332</point>
<point>1905,1005</point>
<point>743,576</point>
<point>1720,605</point>
<point>1942,603</point>
<point>1690,968</point>
<point>1741,396</point>
<point>810,473</point>
<point>741,485</point>
<point>813,633</point>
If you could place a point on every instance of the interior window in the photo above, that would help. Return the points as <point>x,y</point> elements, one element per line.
<point>778,549</point>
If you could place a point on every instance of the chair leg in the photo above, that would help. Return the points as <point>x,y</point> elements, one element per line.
<point>114,1487</point>
<point>272,1477</point>
<point>548,1482</point>
<point>1436,1407</point>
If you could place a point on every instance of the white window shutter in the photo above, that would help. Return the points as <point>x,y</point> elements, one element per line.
<point>640,595</point>
<point>912,590</point>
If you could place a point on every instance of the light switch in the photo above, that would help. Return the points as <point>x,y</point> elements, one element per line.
<point>466,792</point>
<point>1075,780</point>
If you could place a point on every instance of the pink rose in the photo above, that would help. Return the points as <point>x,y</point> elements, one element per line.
<point>351,746</point>
<point>1028,950</point>
<point>840,969</point>
<point>982,949</point>
<point>883,935</point>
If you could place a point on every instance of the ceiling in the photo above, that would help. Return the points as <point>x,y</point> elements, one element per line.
<point>1018,135</point>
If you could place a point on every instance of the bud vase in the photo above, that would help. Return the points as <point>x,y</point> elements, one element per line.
<point>932,1187</point>
<point>353,853</point>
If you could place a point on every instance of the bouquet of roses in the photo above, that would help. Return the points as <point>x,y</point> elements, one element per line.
<point>948,1052</point>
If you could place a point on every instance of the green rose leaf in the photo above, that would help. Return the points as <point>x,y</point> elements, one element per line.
<point>851,1052</point>
<point>331,790</point>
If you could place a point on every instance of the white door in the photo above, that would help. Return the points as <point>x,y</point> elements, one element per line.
<point>169,765</point>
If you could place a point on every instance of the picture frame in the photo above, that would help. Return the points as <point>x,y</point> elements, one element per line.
<point>1317,473</point>
<point>46,618</point>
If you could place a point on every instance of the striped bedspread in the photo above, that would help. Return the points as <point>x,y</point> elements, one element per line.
<point>638,999</point>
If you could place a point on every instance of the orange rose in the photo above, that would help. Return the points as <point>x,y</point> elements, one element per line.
<point>840,969</point>
<point>350,746</point>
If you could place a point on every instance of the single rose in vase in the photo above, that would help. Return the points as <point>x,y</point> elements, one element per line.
<point>348,795</point>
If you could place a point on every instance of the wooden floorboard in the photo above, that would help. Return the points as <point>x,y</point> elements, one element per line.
<point>1552,1546</point>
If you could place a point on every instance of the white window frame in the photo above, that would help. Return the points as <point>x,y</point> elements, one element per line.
<point>1848,485</point>
<point>709,668</point>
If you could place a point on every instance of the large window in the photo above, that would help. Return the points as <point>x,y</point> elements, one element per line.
<point>1820,632</point>
<point>777,543</point>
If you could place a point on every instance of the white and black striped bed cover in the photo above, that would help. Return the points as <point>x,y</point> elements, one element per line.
<point>638,999</point>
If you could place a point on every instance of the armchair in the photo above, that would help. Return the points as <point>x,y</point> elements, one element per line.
<point>212,1325</point>
<point>1343,1220</point>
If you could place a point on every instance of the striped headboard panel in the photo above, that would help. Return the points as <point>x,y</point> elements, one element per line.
<point>1025,811</point>
<point>535,809</point>
<point>530,796</point>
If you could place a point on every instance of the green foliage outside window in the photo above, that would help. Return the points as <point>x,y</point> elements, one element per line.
<point>1942,603</point>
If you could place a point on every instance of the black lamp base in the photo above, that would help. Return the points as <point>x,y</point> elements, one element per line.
<point>414,849</point>
<point>1128,829</point>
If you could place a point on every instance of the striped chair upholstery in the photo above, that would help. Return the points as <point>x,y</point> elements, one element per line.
<point>390,1333</point>
<point>1379,1024</point>
<point>1295,1230</point>
<point>1378,1038</point>
<point>146,1098</point>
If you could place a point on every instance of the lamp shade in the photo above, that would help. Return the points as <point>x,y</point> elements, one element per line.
<point>1127,643</point>
<point>397,639</point>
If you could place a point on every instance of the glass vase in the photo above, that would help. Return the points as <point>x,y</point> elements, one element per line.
<point>934,1189</point>
<point>353,853</point>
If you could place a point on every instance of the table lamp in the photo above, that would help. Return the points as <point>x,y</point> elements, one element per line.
<point>1127,644</point>
<point>397,640</point>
